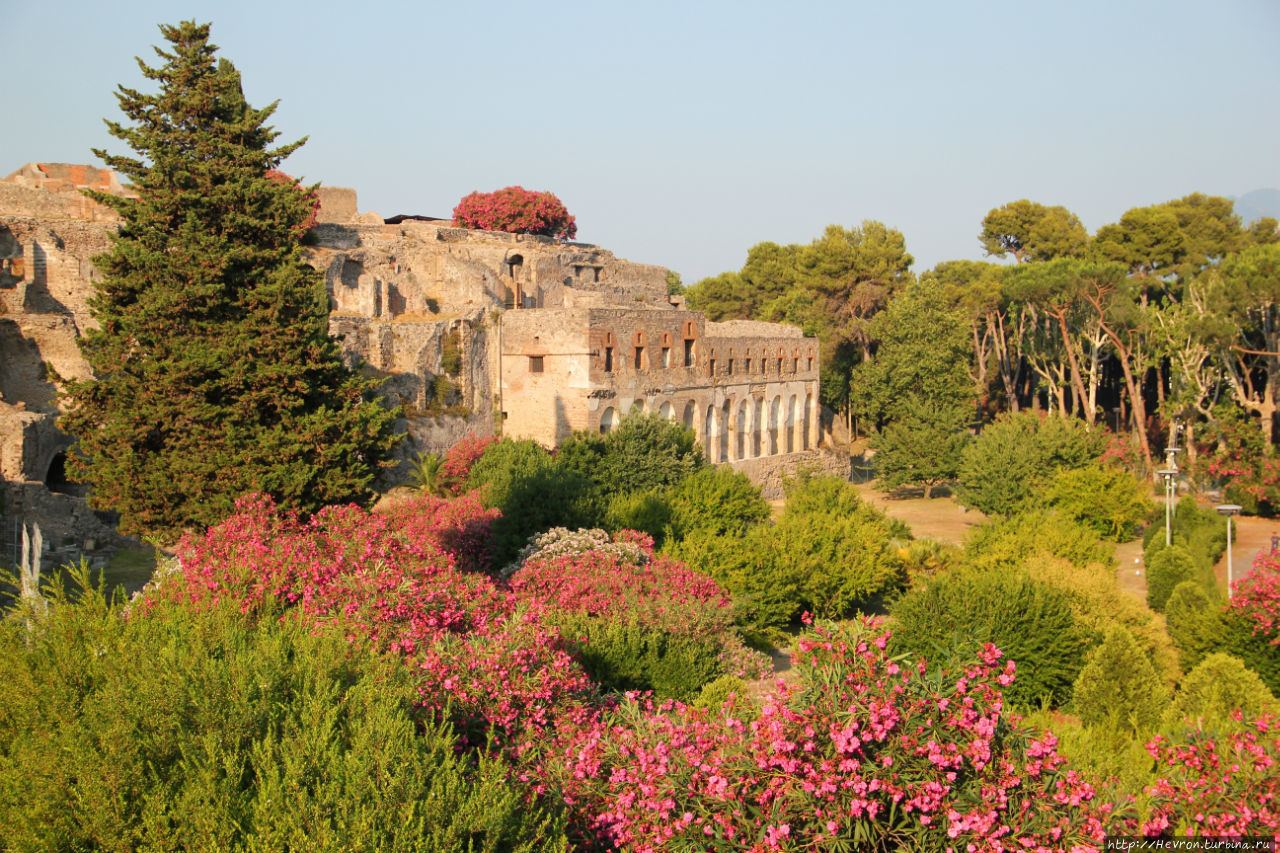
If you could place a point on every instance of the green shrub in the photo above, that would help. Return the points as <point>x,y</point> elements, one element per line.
<point>731,691</point>
<point>533,492</point>
<point>1219,685</point>
<point>1200,530</point>
<point>1007,467</point>
<point>763,601</point>
<point>1012,542</point>
<point>1168,568</point>
<point>1256,650</point>
<point>1194,620</point>
<point>838,551</point>
<point>622,655</point>
<point>1112,503</point>
<point>649,512</point>
<point>1028,620</point>
<point>177,730</point>
<point>719,501</point>
<point>1111,754</point>
<point>1118,686</point>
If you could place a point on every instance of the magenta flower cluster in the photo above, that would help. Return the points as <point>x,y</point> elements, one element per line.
<point>516,210</point>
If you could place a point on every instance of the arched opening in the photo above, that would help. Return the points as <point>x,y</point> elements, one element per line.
<point>666,349</point>
<point>709,433</point>
<point>667,411</point>
<point>806,436</point>
<point>690,416</point>
<point>757,425</point>
<point>637,408</point>
<point>723,452</point>
<point>639,358</point>
<point>740,431</point>
<point>608,345</point>
<point>690,336</point>
<point>792,408</point>
<point>774,410</point>
<point>56,477</point>
<point>608,420</point>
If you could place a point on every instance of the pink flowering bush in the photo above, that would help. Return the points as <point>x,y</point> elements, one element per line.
<point>868,751</point>
<point>636,620</point>
<point>516,210</point>
<point>392,580</point>
<point>1256,597</point>
<point>1225,783</point>
<point>461,457</point>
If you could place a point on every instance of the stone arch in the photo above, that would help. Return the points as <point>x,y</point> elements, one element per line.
<point>608,420</point>
<point>741,448</point>
<point>667,411</point>
<point>792,411</point>
<point>637,407</point>
<point>806,435</point>
<point>690,332</point>
<point>689,417</point>
<point>774,410</point>
<point>55,478</point>
<point>722,417</point>
<point>757,426</point>
<point>709,434</point>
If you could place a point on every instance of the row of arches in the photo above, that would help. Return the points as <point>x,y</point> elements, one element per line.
<point>740,427</point>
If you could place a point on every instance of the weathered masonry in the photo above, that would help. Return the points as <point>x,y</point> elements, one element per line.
<point>748,390</point>
<point>472,332</point>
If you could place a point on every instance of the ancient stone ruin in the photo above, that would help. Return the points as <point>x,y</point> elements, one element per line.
<point>472,331</point>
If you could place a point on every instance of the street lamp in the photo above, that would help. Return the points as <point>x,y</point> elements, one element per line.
<point>1228,510</point>
<point>1168,474</point>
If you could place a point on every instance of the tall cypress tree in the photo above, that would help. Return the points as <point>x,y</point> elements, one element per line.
<point>214,374</point>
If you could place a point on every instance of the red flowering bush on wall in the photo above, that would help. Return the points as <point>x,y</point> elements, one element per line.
<point>867,750</point>
<point>518,211</point>
<point>310,197</point>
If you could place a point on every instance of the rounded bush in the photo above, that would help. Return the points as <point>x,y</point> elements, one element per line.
<point>1168,568</point>
<point>1218,686</point>
<point>1194,621</point>
<point>518,211</point>
<point>1119,686</point>
<point>1029,621</point>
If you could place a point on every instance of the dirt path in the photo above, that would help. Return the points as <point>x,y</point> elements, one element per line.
<point>936,518</point>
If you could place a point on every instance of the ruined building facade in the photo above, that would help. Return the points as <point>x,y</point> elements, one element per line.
<point>472,331</point>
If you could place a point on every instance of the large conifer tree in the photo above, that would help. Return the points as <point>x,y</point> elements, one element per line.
<point>214,372</point>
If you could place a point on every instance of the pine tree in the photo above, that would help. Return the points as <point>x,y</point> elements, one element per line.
<point>214,374</point>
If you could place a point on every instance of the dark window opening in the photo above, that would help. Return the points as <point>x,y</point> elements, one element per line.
<point>711,367</point>
<point>535,364</point>
<point>608,359</point>
<point>747,366</point>
<point>729,368</point>
<point>666,356</point>
<point>56,479</point>
<point>688,353</point>
<point>779,367</point>
<point>795,365</point>
<point>810,362</point>
<point>639,358</point>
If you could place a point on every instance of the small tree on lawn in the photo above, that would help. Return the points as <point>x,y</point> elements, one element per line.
<point>213,371</point>
<point>923,446</point>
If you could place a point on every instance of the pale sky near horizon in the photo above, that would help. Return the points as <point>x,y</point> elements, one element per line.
<point>682,134</point>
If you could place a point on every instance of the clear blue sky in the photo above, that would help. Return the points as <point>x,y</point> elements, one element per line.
<point>682,134</point>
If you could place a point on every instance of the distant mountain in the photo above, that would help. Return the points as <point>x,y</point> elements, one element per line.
<point>1254,205</point>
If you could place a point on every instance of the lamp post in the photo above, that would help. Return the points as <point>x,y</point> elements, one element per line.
<point>1168,474</point>
<point>1228,510</point>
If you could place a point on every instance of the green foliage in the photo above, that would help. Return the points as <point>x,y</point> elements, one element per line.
<point>1110,502</point>
<point>1168,568</point>
<point>621,654</point>
<point>764,601</point>
<point>426,473</point>
<point>647,451</point>
<point>214,374</point>
<point>533,492</point>
<point>1013,460</point>
<point>182,730</point>
<point>728,690</point>
<point>1028,620</point>
<point>922,445</point>
<point>922,360</point>
<point>1194,621</point>
<point>1011,542</point>
<point>1200,530</point>
<point>1217,686</point>
<point>451,353</point>
<point>1118,686</point>
<point>1032,232</point>
<point>1112,754</point>
<point>649,512</point>
<point>1256,650</point>
<point>717,501</point>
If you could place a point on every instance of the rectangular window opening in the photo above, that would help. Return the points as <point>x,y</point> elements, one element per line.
<point>535,364</point>
<point>608,359</point>
<point>666,356</point>
<point>639,358</point>
<point>688,353</point>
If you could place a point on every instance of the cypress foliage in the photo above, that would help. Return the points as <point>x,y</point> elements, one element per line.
<point>214,372</point>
